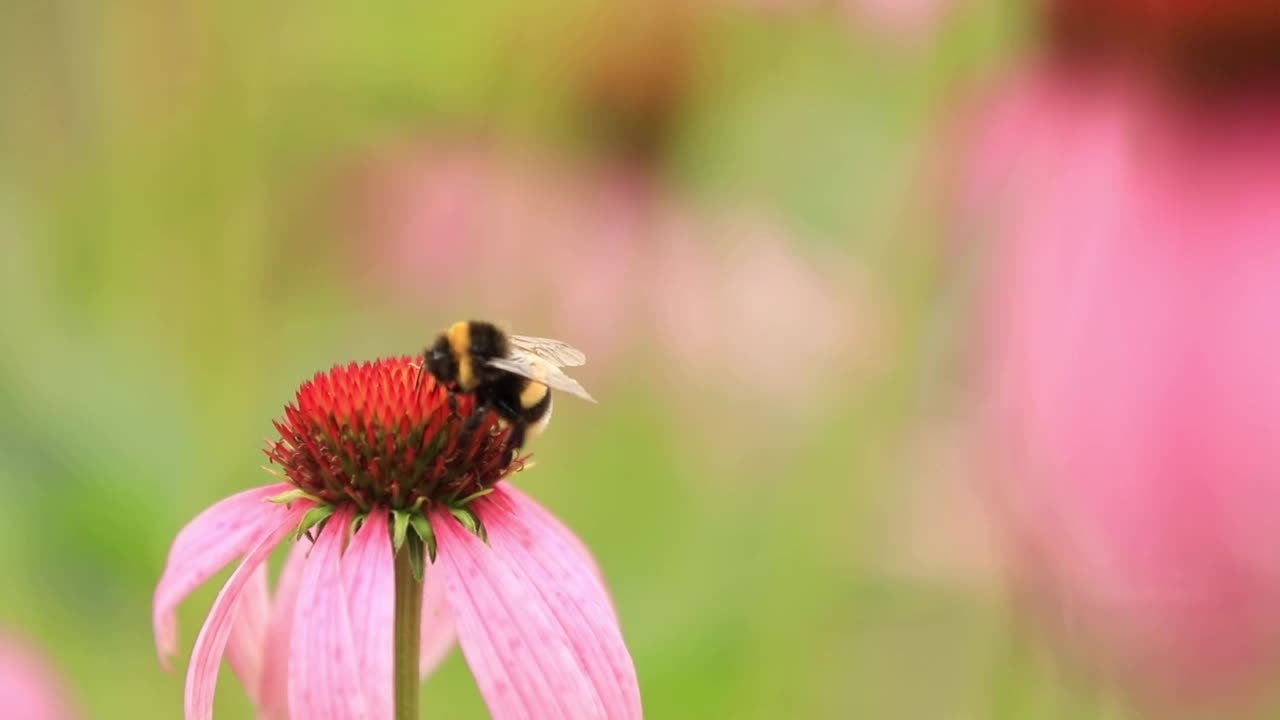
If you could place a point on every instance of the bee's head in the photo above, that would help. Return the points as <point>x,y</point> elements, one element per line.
<point>441,362</point>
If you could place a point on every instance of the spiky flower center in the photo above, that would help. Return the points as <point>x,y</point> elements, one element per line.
<point>382,433</point>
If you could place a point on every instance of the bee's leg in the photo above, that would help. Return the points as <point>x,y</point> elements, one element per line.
<point>422,377</point>
<point>515,441</point>
<point>453,403</point>
<point>476,417</point>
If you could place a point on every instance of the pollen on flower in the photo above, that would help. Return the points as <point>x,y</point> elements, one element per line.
<point>382,433</point>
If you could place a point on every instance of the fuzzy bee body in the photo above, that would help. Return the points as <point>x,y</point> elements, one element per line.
<point>511,375</point>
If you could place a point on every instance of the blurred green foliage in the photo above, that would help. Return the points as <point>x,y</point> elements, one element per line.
<point>173,263</point>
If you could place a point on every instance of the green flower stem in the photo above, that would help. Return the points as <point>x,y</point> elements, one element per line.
<point>408,636</point>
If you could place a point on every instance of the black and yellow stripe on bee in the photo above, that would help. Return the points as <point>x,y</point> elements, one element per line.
<point>533,393</point>
<point>459,338</point>
<point>535,400</point>
<point>525,404</point>
<point>471,344</point>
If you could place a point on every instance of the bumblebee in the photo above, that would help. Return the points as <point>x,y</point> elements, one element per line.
<point>511,375</point>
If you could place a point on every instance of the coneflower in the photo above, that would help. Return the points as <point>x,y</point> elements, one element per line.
<point>1126,182</point>
<point>385,481</point>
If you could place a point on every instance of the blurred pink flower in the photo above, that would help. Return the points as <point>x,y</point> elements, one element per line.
<point>737,280</point>
<point>1133,369</point>
<point>614,259</point>
<point>904,19</point>
<point>530,611</point>
<point>910,21</point>
<point>446,220</point>
<point>937,525</point>
<point>29,688</point>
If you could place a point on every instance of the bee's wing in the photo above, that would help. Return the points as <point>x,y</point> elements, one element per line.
<point>539,370</point>
<point>556,352</point>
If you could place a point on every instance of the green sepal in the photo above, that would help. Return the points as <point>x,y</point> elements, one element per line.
<point>356,522</point>
<point>415,557</point>
<point>289,496</point>
<point>399,529</point>
<point>313,517</point>
<point>471,522</point>
<point>477,494</point>
<point>422,526</point>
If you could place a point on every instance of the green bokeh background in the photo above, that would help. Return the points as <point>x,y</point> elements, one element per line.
<point>171,267</point>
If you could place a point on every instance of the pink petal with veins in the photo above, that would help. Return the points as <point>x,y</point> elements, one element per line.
<point>248,630</point>
<point>534,622</point>
<point>438,633</point>
<point>324,671</point>
<point>573,588</point>
<point>369,574</point>
<point>274,703</point>
<point>202,675</point>
<point>569,542</point>
<point>207,544</point>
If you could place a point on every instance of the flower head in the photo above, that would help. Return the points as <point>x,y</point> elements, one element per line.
<point>375,458</point>
<point>383,434</point>
<point>1223,37</point>
<point>1131,372</point>
<point>631,74</point>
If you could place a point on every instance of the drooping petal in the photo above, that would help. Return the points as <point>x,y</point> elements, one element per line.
<point>573,588</point>
<point>274,701</point>
<point>202,675</point>
<point>571,542</point>
<point>534,622</point>
<point>248,632</point>
<point>206,545</point>
<point>438,633</point>
<point>520,660</point>
<point>324,675</point>
<point>369,574</point>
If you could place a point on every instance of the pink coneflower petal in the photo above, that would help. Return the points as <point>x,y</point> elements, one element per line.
<point>245,647</point>
<point>202,675</point>
<point>523,663</point>
<point>579,599</point>
<point>438,628</point>
<point>369,575</point>
<point>1130,373</point>
<point>274,701</point>
<point>207,544</point>
<point>569,542</point>
<point>535,625</point>
<point>324,673</point>
<point>438,633</point>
